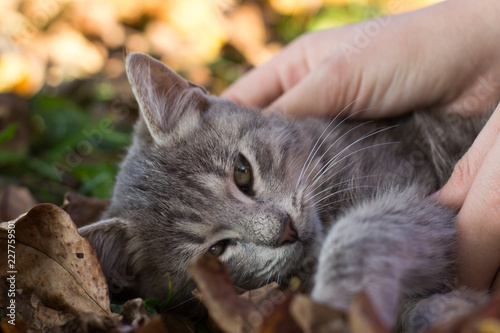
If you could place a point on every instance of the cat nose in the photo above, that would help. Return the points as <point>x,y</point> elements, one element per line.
<point>289,234</point>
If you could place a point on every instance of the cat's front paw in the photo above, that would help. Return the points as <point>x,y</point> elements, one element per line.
<point>441,308</point>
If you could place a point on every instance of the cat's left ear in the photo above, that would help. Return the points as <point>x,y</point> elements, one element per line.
<point>164,97</point>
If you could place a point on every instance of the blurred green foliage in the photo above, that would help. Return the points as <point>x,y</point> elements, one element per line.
<point>69,149</point>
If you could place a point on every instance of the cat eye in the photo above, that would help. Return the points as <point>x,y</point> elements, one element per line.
<point>218,248</point>
<point>243,174</point>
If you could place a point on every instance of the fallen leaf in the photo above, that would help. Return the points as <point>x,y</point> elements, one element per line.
<point>14,201</point>
<point>83,210</point>
<point>91,322</point>
<point>45,317</point>
<point>266,309</point>
<point>247,32</point>
<point>175,323</point>
<point>217,293</point>
<point>21,72</point>
<point>257,296</point>
<point>280,318</point>
<point>53,262</point>
<point>155,325</point>
<point>18,327</point>
<point>71,53</point>
<point>98,18</point>
<point>313,317</point>
<point>134,313</point>
<point>363,318</point>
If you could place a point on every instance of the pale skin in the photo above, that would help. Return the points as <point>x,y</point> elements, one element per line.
<point>445,56</point>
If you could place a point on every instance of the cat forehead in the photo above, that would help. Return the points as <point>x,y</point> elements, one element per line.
<point>227,125</point>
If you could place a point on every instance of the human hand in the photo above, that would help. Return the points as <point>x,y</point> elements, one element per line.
<point>444,55</point>
<point>474,188</point>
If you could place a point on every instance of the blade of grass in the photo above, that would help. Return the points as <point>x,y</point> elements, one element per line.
<point>164,304</point>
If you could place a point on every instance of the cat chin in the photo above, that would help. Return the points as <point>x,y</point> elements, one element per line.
<point>303,257</point>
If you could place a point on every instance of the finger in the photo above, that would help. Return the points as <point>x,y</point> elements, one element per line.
<point>318,94</point>
<point>478,225</point>
<point>455,190</point>
<point>264,84</point>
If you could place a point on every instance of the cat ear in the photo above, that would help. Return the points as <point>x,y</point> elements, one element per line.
<point>164,97</point>
<point>110,239</point>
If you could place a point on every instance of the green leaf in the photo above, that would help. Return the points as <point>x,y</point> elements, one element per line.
<point>12,157</point>
<point>8,133</point>
<point>152,301</point>
<point>150,309</point>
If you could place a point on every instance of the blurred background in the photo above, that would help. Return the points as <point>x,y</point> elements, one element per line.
<point>66,109</point>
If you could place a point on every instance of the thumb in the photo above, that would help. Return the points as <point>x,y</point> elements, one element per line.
<point>455,190</point>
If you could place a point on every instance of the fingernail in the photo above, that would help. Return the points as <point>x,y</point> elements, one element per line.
<point>434,195</point>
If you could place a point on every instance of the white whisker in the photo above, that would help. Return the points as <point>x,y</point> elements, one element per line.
<point>337,140</point>
<point>357,151</point>
<point>315,151</point>
<point>316,147</point>
<point>328,178</point>
<point>340,183</point>
<point>344,190</point>
<point>328,165</point>
<point>322,207</point>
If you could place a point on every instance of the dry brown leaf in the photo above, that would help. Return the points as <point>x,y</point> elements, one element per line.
<point>46,317</point>
<point>217,293</point>
<point>54,263</point>
<point>132,319</point>
<point>176,323</point>
<point>280,319</point>
<point>247,32</point>
<point>258,296</point>
<point>98,18</point>
<point>14,201</point>
<point>363,317</point>
<point>262,310</point>
<point>71,53</point>
<point>134,313</point>
<point>155,325</point>
<point>83,210</point>
<point>19,327</point>
<point>266,309</point>
<point>313,317</point>
<point>90,322</point>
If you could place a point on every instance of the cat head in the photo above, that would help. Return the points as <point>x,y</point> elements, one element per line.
<point>205,175</point>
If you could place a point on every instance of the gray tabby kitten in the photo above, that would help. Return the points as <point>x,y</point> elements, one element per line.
<point>341,204</point>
